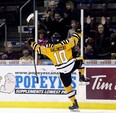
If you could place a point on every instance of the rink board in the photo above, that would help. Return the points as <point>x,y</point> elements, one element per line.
<point>41,96</point>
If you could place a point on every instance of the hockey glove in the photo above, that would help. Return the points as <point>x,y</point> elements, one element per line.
<point>30,40</point>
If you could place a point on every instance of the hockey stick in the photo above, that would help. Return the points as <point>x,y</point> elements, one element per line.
<point>37,78</point>
<point>29,32</point>
<point>34,64</point>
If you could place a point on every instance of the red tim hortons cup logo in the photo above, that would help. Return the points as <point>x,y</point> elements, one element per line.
<point>102,83</point>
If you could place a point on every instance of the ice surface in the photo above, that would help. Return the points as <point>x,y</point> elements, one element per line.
<point>45,110</point>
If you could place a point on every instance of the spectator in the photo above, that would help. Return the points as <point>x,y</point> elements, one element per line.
<point>50,11</point>
<point>52,5</point>
<point>58,25</point>
<point>26,54</point>
<point>42,40</point>
<point>48,21</point>
<point>10,53</point>
<point>102,43</point>
<point>49,16</point>
<point>70,7</point>
<point>74,26</point>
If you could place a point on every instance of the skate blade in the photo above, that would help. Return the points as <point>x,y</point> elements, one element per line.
<point>75,110</point>
<point>84,83</point>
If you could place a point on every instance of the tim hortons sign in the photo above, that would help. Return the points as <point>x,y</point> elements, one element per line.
<point>102,83</point>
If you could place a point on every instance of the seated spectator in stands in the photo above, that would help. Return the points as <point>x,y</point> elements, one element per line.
<point>102,43</point>
<point>42,40</point>
<point>10,53</point>
<point>26,54</point>
<point>74,25</point>
<point>113,45</point>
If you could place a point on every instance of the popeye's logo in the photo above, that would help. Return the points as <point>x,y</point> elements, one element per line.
<point>9,83</point>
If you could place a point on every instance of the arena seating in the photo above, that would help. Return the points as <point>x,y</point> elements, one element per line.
<point>9,10</point>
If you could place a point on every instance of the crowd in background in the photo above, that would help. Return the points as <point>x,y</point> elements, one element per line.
<point>99,38</point>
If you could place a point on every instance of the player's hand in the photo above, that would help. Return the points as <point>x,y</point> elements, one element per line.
<point>30,40</point>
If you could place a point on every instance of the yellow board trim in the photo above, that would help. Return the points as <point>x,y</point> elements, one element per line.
<point>64,105</point>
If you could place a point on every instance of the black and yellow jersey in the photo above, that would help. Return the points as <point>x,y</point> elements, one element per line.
<point>60,54</point>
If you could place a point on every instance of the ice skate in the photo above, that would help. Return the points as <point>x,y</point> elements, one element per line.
<point>83,80</point>
<point>74,107</point>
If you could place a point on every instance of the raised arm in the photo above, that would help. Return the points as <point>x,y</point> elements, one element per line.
<point>33,44</point>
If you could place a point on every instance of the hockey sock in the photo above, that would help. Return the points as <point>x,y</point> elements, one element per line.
<point>81,70</point>
<point>70,93</point>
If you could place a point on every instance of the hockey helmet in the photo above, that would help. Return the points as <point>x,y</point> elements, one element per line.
<point>56,38</point>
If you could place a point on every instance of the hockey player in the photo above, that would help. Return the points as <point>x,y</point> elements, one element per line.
<point>60,53</point>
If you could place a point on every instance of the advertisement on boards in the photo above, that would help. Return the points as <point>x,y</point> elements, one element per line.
<point>21,80</point>
<point>102,83</point>
<point>49,83</point>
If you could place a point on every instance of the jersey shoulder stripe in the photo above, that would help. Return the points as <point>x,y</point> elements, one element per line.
<point>64,42</point>
<point>49,45</point>
<point>34,45</point>
<point>76,35</point>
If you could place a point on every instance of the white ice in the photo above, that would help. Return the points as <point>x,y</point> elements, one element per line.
<point>45,110</point>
